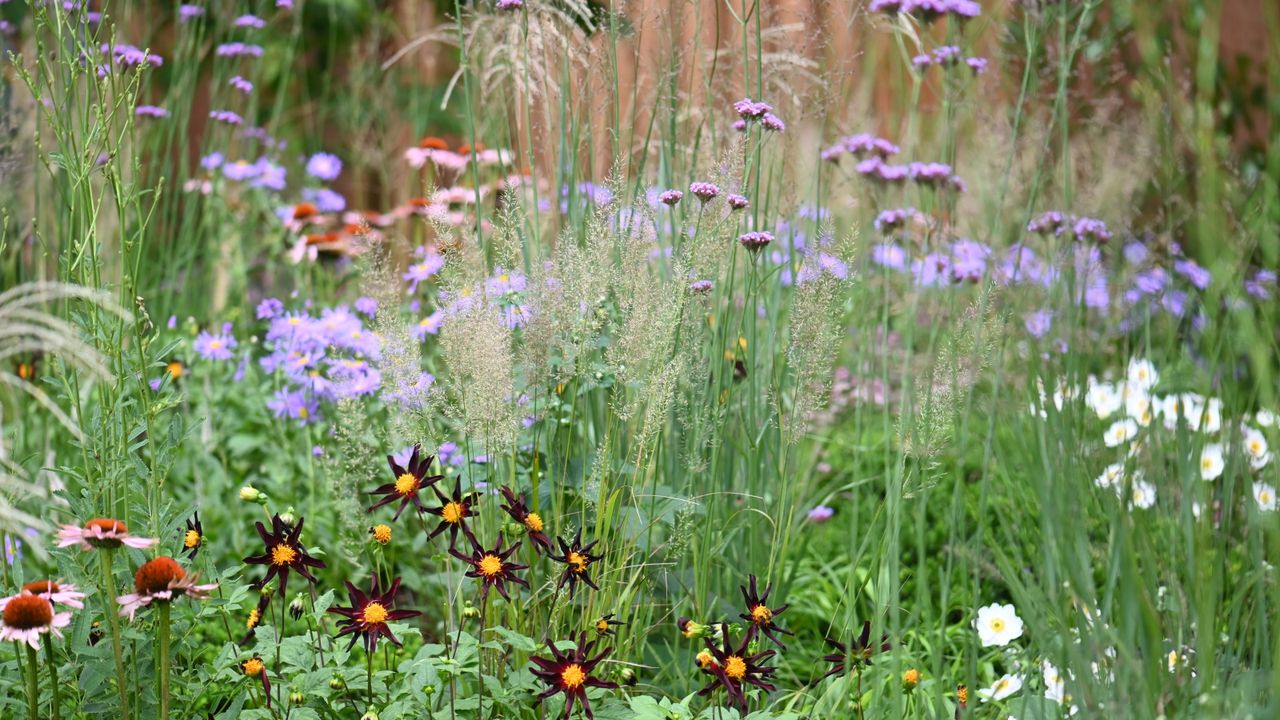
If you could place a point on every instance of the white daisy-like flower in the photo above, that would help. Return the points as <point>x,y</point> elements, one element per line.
<point>1139,407</point>
<point>1120,432</point>
<point>1111,475</point>
<point>998,625</point>
<point>1255,447</point>
<point>1103,398</point>
<point>1142,494</point>
<point>1142,373</point>
<point>1211,416</point>
<point>1265,496</point>
<point>1003,688</point>
<point>1211,462</point>
<point>1265,418</point>
<point>1054,686</point>
<point>1263,460</point>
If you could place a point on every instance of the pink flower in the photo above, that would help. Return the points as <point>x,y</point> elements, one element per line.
<point>161,580</point>
<point>52,591</point>
<point>101,533</point>
<point>27,616</point>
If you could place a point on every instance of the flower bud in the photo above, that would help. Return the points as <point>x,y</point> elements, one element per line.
<point>267,590</point>
<point>296,607</point>
<point>288,517</point>
<point>628,677</point>
<point>371,715</point>
<point>336,683</point>
<point>428,690</point>
<point>470,612</point>
<point>910,679</point>
<point>297,698</point>
<point>691,630</point>
<point>249,493</point>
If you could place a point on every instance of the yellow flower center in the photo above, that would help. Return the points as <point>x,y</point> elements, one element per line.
<point>283,555</point>
<point>761,614</point>
<point>577,562</point>
<point>997,625</point>
<point>215,344</point>
<point>533,521</point>
<point>406,483</point>
<point>174,369</point>
<point>191,539</point>
<point>452,513</point>
<point>1207,463</point>
<point>705,658</point>
<point>489,566</point>
<point>253,666</point>
<point>573,676</point>
<point>735,668</point>
<point>254,618</point>
<point>374,613</point>
<point>382,533</point>
<point>303,412</point>
<point>1255,447</point>
<point>602,625</point>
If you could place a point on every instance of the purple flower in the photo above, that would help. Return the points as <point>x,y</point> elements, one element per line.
<point>367,306</point>
<point>700,287</point>
<point>225,116</point>
<point>755,241</point>
<point>740,125</point>
<point>188,12</point>
<point>704,191</point>
<point>968,260</point>
<point>150,111</point>
<point>430,263</point>
<point>946,55</point>
<point>1047,223</point>
<point>173,322</point>
<point>833,265</point>
<point>294,404</point>
<point>922,61</point>
<point>241,170</point>
<point>670,197</point>
<point>1038,322</point>
<point>130,55</point>
<point>1198,276</point>
<point>211,161</point>
<point>1175,302</point>
<point>820,514</point>
<point>324,166</point>
<point>1259,286</point>
<point>1135,253</point>
<point>325,200</point>
<point>270,175</point>
<point>249,21</point>
<point>772,123</point>
<point>889,255</point>
<point>504,282</point>
<point>238,49</point>
<point>1091,229</point>
<point>890,220</point>
<point>241,84</point>
<point>429,325</point>
<point>977,65</point>
<point>269,309</point>
<point>736,201</point>
<point>510,4</point>
<point>214,347</point>
<point>749,109</point>
<point>931,270</point>
<point>1151,281</point>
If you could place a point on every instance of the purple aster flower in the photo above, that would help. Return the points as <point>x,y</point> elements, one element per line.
<point>294,404</point>
<point>270,175</point>
<point>238,49</point>
<point>366,306</point>
<point>269,309</point>
<point>1175,302</point>
<point>154,111</point>
<point>324,166</point>
<point>820,514</point>
<point>240,170</point>
<point>756,240</point>
<point>1198,276</point>
<point>249,21</point>
<point>214,347</point>
<point>736,201</point>
<point>429,325</point>
<point>325,200</point>
<point>1135,253</point>
<point>704,191</point>
<point>225,116</point>
<point>239,83</point>
<point>833,265</point>
<point>1038,323</point>
<point>670,197</point>
<point>188,12</point>
<point>430,263</point>
<point>211,161</point>
<point>772,123</point>
<point>504,282</point>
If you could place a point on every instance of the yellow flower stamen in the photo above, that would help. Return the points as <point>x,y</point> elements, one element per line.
<point>997,625</point>
<point>382,534</point>
<point>573,676</point>
<point>283,555</point>
<point>705,659</point>
<point>761,615</point>
<point>406,483</point>
<point>533,521</point>
<point>191,539</point>
<point>490,566</point>
<point>452,513</point>
<point>174,369</point>
<point>254,618</point>
<point>253,666</point>
<point>735,668</point>
<point>577,562</point>
<point>373,614</point>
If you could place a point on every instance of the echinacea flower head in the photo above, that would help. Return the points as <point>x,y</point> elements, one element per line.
<point>570,673</point>
<point>27,616</point>
<point>55,591</point>
<point>530,521</point>
<point>193,537</point>
<point>161,580</point>
<point>283,553</point>
<point>1003,688</point>
<point>101,533</point>
<point>998,625</point>
<point>759,614</point>
<point>856,653</point>
<point>492,568</point>
<point>577,559</point>
<point>369,613</point>
<point>734,668</point>
<point>410,479</point>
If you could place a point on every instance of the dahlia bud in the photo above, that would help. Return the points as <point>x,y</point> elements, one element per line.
<point>628,677</point>
<point>296,607</point>
<point>910,679</point>
<point>381,534</point>
<point>297,698</point>
<point>371,715</point>
<point>249,493</point>
<point>288,517</point>
<point>470,612</point>
<point>267,590</point>
<point>429,690</point>
<point>691,630</point>
<point>336,683</point>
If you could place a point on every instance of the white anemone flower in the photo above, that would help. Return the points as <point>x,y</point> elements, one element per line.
<point>1103,398</point>
<point>1265,496</point>
<point>998,625</point>
<point>1003,688</point>
<point>1142,494</point>
<point>1111,475</point>
<point>1211,462</point>
<point>1120,432</point>
<point>1143,373</point>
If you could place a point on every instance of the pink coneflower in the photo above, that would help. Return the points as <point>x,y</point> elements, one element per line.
<point>161,580</point>
<point>670,197</point>
<point>704,191</point>
<point>52,591</point>
<point>27,616</point>
<point>101,533</point>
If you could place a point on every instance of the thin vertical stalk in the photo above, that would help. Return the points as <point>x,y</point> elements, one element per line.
<point>33,684</point>
<point>55,707</point>
<point>108,600</point>
<point>163,609</point>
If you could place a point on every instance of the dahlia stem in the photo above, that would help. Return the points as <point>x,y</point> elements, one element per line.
<point>33,684</point>
<point>53,678</point>
<point>369,676</point>
<point>113,620</point>
<point>164,660</point>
